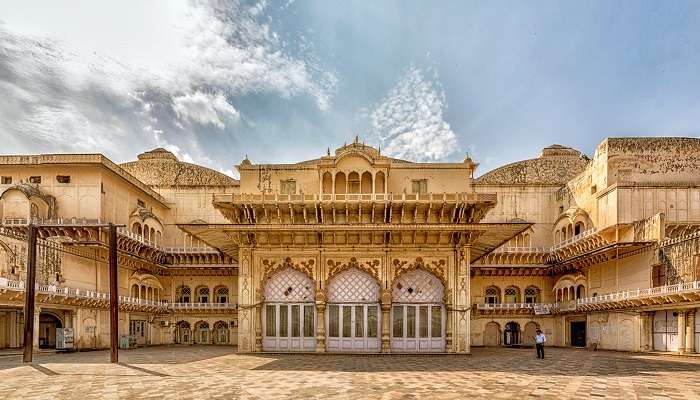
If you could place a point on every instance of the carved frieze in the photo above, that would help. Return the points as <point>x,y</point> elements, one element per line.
<point>437,267</point>
<point>270,267</point>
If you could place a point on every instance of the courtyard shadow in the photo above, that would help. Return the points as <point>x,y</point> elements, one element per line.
<point>175,354</point>
<point>559,362</point>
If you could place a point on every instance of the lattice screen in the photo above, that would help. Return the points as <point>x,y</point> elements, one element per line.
<point>353,286</point>
<point>418,286</point>
<point>289,285</point>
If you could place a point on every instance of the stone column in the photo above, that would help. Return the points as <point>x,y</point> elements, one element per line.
<point>386,321</point>
<point>13,322</point>
<point>681,331</point>
<point>246,327</point>
<point>320,322</point>
<point>37,312</point>
<point>647,329</point>
<point>461,337</point>
<point>690,332</point>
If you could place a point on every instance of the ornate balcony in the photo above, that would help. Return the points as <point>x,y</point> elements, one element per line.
<point>670,294</point>
<point>506,308</point>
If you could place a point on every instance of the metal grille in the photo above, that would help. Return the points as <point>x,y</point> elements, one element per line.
<point>418,286</point>
<point>353,286</point>
<point>289,285</point>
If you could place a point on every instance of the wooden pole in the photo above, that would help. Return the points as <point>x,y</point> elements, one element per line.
<point>113,294</point>
<point>30,288</point>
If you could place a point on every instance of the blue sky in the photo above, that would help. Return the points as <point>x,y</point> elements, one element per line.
<point>281,81</point>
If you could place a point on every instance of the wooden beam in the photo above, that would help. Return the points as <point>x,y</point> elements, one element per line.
<point>30,296</point>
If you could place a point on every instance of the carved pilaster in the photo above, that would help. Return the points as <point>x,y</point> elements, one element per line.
<point>386,321</point>
<point>320,322</point>
<point>247,310</point>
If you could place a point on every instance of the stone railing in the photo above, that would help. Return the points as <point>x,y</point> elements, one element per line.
<point>522,249</point>
<point>202,306</point>
<point>19,286</point>
<point>641,293</point>
<point>574,239</point>
<point>505,306</point>
<point>278,197</point>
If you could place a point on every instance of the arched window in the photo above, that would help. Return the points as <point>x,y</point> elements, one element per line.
<point>492,295</point>
<point>353,183</point>
<point>327,183</point>
<point>366,184</point>
<point>579,228</point>
<point>580,292</point>
<point>532,295</point>
<point>203,294</point>
<point>221,294</point>
<point>135,291</point>
<point>512,295</point>
<point>340,183</point>
<point>379,182</point>
<point>183,294</point>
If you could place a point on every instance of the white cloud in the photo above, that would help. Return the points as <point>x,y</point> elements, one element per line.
<point>409,121</point>
<point>67,90</point>
<point>205,108</point>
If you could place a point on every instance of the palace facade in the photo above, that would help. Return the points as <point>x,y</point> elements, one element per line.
<point>359,252</point>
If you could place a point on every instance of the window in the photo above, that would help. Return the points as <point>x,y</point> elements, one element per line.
<point>532,295</point>
<point>658,275</point>
<point>6,180</point>
<point>419,186</point>
<point>203,295</point>
<point>594,189</point>
<point>34,179</point>
<point>511,295</point>
<point>353,183</point>
<point>491,295</point>
<point>221,295</point>
<point>63,178</point>
<point>288,187</point>
<point>182,294</point>
<point>140,203</point>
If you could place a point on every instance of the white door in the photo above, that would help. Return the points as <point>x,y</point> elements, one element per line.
<point>289,327</point>
<point>697,330</point>
<point>417,328</point>
<point>289,314</point>
<point>665,331</point>
<point>353,328</point>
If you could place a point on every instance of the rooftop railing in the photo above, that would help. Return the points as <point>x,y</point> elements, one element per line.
<point>641,293</point>
<point>574,239</point>
<point>279,197</point>
<point>505,306</point>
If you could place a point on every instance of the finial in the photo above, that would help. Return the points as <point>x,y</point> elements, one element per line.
<point>328,151</point>
<point>357,138</point>
<point>379,150</point>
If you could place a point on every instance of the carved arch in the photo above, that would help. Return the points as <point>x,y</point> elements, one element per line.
<point>271,267</point>
<point>436,268</point>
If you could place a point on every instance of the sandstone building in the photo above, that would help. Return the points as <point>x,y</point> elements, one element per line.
<point>359,252</point>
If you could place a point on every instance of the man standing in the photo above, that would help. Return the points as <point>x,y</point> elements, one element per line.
<point>540,340</point>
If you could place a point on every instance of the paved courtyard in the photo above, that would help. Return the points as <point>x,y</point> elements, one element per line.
<point>217,372</point>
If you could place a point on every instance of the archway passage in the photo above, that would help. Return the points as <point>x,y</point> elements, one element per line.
<point>511,335</point>
<point>353,313</point>
<point>48,325</point>
<point>492,334</point>
<point>418,313</point>
<point>183,334</point>
<point>289,317</point>
<point>578,334</point>
<point>530,333</point>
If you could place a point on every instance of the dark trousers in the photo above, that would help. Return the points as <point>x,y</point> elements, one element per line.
<point>540,350</point>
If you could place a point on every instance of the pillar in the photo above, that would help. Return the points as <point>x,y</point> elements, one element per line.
<point>13,322</point>
<point>386,321</point>
<point>647,330</point>
<point>37,313</point>
<point>681,331</point>
<point>246,296</point>
<point>258,327</point>
<point>320,322</point>
<point>690,332</point>
<point>458,335</point>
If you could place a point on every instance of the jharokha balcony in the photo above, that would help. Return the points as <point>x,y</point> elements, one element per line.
<point>669,294</point>
<point>52,294</point>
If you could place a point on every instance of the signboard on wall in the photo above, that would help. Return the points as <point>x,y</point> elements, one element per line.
<point>542,309</point>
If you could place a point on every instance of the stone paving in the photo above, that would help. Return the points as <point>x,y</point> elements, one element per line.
<point>213,372</point>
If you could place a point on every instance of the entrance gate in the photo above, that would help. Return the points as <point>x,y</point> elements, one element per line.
<point>666,331</point>
<point>353,313</point>
<point>418,313</point>
<point>289,318</point>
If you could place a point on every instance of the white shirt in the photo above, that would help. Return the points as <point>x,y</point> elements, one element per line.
<point>540,339</point>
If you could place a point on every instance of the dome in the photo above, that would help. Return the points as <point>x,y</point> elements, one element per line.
<point>160,167</point>
<point>555,165</point>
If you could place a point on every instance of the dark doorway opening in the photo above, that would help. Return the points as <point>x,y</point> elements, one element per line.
<point>578,334</point>
<point>48,324</point>
<point>511,336</point>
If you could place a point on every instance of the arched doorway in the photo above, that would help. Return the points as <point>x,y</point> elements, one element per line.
<point>289,316</point>
<point>353,312</point>
<point>201,330</point>
<point>530,333</point>
<point>511,335</point>
<point>418,313</point>
<point>48,324</point>
<point>183,333</point>
<point>492,334</point>
<point>221,333</point>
